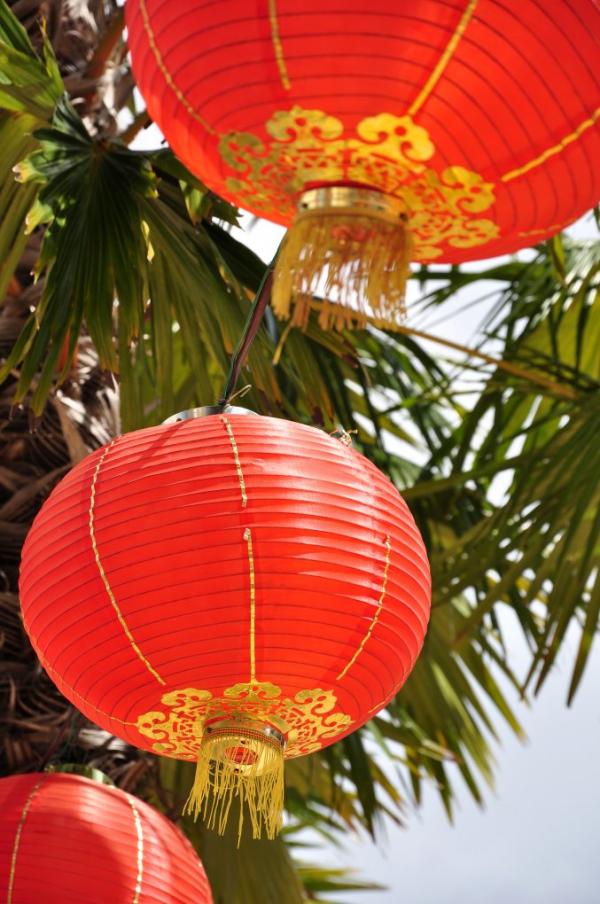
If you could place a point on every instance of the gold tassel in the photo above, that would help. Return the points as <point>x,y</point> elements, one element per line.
<point>239,760</point>
<point>351,247</point>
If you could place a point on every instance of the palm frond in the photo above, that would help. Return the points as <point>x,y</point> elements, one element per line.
<point>538,547</point>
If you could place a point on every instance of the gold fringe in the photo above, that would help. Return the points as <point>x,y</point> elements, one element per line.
<point>358,262</point>
<point>244,763</point>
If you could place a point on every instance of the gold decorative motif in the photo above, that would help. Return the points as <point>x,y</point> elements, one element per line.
<point>387,153</point>
<point>306,721</point>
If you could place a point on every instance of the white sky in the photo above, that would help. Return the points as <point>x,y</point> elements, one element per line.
<point>536,841</point>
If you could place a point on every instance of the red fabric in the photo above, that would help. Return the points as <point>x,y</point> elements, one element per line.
<point>67,840</point>
<point>522,78</point>
<point>169,524</point>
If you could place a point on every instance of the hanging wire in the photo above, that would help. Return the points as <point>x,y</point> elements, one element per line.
<point>253,321</point>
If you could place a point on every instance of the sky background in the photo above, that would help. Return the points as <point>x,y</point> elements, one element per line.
<point>536,839</point>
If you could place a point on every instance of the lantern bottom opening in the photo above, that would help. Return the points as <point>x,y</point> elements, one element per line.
<point>239,759</point>
<point>346,255</point>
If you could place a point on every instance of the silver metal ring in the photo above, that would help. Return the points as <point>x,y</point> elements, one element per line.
<point>206,411</point>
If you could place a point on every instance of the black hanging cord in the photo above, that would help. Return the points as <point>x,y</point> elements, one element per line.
<point>255,316</point>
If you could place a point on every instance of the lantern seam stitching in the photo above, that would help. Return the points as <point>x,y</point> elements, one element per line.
<point>61,681</point>
<point>168,77</point>
<point>236,456</point>
<point>382,703</point>
<point>17,841</point>
<point>277,46</point>
<point>248,539</point>
<point>103,575</point>
<point>555,227</point>
<point>375,619</point>
<point>139,853</point>
<point>444,59</point>
<point>555,149</point>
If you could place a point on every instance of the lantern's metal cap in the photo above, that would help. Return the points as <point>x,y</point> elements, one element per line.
<point>206,411</point>
<point>345,199</point>
<point>244,726</point>
<point>244,745</point>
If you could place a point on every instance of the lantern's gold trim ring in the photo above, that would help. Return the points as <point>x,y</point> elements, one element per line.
<point>353,199</point>
<point>246,733</point>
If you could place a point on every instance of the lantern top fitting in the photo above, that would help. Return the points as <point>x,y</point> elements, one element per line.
<point>205,411</point>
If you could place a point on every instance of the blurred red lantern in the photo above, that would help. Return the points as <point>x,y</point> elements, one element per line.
<point>64,838</point>
<point>441,131</point>
<point>231,590</point>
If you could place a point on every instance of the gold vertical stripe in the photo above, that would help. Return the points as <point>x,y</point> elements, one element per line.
<point>236,456</point>
<point>167,75</point>
<point>17,841</point>
<point>105,581</point>
<point>444,59</point>
<point>140,852</point>
<point>555,227</point>
<point>59,680</point>
<point>375,619</point>
<point>277,48</point>
<point>390,697</point>
<point>378,706</point>
<point>555,149</point>
<point>248,539</point>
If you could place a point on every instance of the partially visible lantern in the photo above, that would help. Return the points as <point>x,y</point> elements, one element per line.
<point>432,130</point>
<point>64,838</point>
<point>232,590</point>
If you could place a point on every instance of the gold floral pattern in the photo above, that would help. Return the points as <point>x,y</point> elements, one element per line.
<point>388,153</point>
<point>306,721</point>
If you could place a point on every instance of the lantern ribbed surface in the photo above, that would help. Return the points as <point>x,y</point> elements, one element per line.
<point>226,569</point>
<point>481,117</point>
<point>67,840</point>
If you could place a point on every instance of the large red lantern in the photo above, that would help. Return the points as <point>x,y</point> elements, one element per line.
<point>441,131</point>
<point>229,589</point>
<point>64,838</point>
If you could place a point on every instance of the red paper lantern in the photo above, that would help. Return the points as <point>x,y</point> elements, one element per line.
<point>67,840</point>
<point>473,124</point>
<point>227,589</point>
